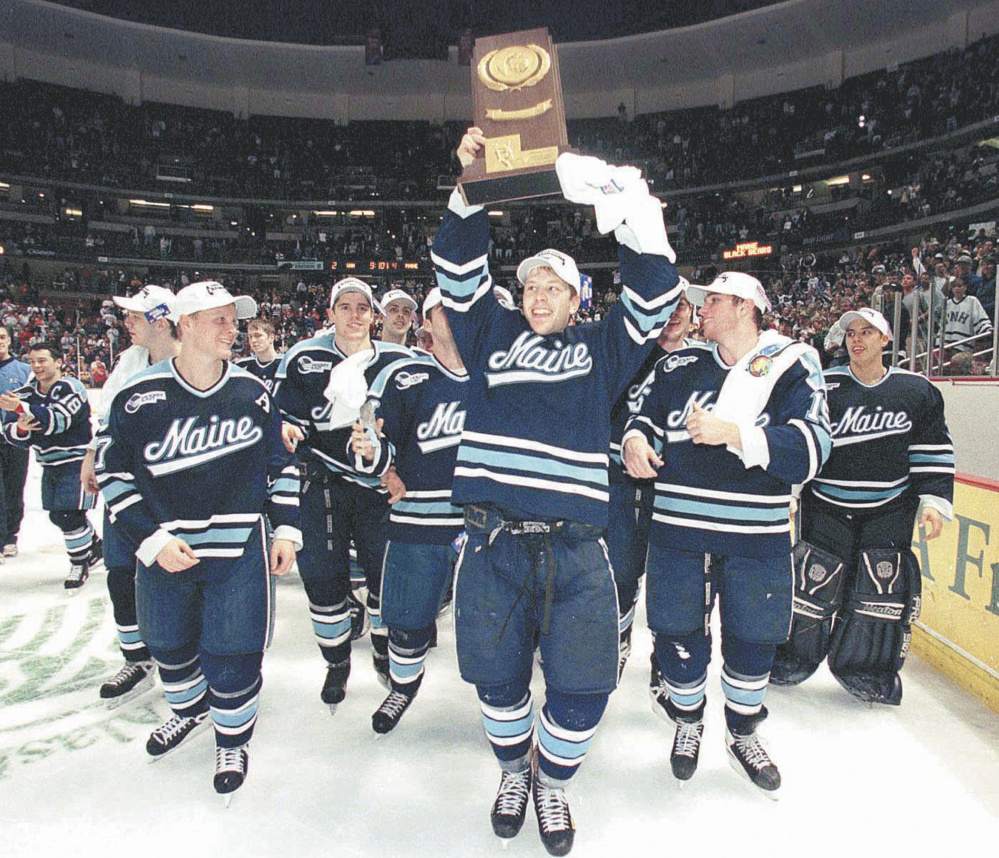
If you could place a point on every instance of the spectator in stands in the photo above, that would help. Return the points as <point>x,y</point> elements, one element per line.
<point>964,318</point>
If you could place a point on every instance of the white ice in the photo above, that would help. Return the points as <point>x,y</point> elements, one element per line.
<point>74,777</point>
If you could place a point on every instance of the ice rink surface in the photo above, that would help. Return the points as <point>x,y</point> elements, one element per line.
<point>75,779</point>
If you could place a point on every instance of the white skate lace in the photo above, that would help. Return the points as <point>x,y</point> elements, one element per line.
<point>229,760</point>
<point>173,728</point>
<point>553,809</point>
<point>752,752</point>
<point>395,704</point>
<point>512,797</point>
<point>130,670</point>
<point>77,572</point>
<point>688,738</point>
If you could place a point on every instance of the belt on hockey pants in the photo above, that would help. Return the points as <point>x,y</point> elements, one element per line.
<point>488,520</point>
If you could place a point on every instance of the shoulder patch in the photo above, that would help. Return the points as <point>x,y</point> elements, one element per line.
<point>672,362</point>
<point>137,400</point>
<point>404,380</point>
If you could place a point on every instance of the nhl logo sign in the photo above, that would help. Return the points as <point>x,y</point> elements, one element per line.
<point>817,573</point>
<point>884,570</point>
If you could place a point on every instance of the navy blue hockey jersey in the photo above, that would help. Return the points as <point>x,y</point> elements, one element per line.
<point>64,415</point>
<point>299,392</point>
<point>266,372</point>
<point>202,465</point>
<point>890,443</point>
<point>421,402</point>
<point>537,435</point>
<point>705,497</point>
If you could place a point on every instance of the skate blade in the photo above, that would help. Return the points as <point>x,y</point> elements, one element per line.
<point>115,702</point>
<point>332,707</point>
<point>227,799</point>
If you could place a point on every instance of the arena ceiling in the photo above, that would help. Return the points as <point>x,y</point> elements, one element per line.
<point>54,42</point>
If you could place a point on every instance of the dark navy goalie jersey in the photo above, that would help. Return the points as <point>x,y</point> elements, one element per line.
<point>706,499</point>
<point>422,404</point>
<point>300,386</point>
<point>266,372</point>
<point>64,415</point>
<point>537,435</point>
<point>890,444</point>
<point>201,465</point>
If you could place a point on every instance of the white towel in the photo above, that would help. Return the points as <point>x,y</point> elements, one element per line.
<point>621,201</point>
<point>744,395</point>
<point>348,388</point>
<point>609,189</point>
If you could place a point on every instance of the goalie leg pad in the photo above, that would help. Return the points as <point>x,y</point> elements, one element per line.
<point>872,633</point>
<point>818,593</point>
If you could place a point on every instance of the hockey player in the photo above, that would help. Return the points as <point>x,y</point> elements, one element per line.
<point>857,584</point>
<point>340,502</point>
<point>14,373</point>
<point>264,361</point>
<point>630,501</point>
<point>726,429</point>
<point>421,413</point>
<point>531,473</point>
<point>397,316</point>
<point>51,414</point>
<point>154,339</point>
<point>189,461</point>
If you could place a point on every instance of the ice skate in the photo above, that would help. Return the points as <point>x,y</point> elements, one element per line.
<point>135,678</point>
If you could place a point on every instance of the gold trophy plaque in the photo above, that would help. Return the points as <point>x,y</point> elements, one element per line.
<point>517,102</point>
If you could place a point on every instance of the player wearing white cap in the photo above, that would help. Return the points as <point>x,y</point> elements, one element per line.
<point>857,582</point>
<point>421,414</point>
<point>154,339</point>
<point>190,460</point>
<point>397,316</point>
<point>320,385</point>
<point>726,429</point>
<point>531,473</point>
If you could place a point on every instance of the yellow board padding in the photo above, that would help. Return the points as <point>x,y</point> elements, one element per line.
<point>961,593</point>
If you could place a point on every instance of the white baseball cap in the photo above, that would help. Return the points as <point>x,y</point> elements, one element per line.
<point>866,314</point>
<point>562,264</point>
<point>352,284</point>
<point>207,295</point>
<point>153,301</point>
<point>394,295</point>
<point>434,299</point>
<point>685,285</point>
<point>732,283</point>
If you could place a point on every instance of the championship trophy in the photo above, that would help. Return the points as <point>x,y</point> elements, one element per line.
<point>517,102</point>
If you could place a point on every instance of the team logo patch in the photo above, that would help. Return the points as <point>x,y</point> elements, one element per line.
<point>817,572</point>
<point>675,362</point>
<point>404,380</point>
<point>307,365</point>
<point>884,570</point>
<point>760,366</point>
<point>137,400</point>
